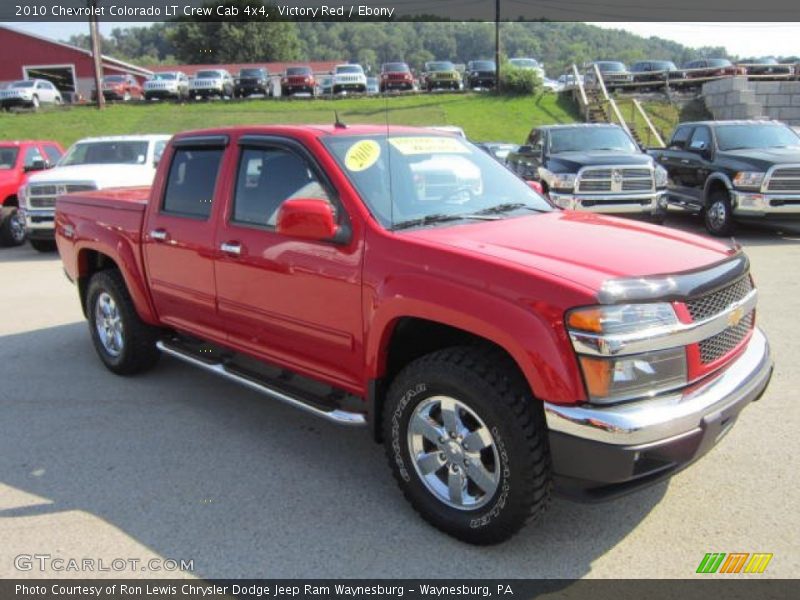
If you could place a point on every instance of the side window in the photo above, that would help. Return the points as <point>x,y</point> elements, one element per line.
<point>32,154</point>
<point>535,138</point>
<point>267,178</point>
<point>192,177</point>
<point>701,134</point>
<point>681,137</point>
<point>158,151</point>
<point>53,153</point>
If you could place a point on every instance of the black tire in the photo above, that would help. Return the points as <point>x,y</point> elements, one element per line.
<point>138,350</point>
<point>12,228</point>
<point>43,245</point>
<point>718,215</point>
<point>483,380</point>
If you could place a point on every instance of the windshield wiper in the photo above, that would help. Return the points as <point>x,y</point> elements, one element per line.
<point>506,207</point>
<point>439,218</point>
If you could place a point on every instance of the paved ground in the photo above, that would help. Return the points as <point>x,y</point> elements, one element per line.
<point>178,464</point>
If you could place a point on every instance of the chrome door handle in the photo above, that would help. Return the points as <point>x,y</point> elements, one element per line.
<point>231,248</point>
<point>685,161</point>
<point>159,234</point>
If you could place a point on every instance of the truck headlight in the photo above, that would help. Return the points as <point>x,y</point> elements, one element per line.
<point>660,176</point>
<point>595,331</point>
<point>563,181</point>
<point>748,179</point>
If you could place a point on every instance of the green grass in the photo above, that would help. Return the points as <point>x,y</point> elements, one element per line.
<point>484,117</point>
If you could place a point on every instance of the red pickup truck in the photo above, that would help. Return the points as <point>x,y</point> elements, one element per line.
<point>403,279</point>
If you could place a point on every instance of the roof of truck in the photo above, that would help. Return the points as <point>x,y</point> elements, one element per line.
<point>125,138</point>
<point>315,130</point>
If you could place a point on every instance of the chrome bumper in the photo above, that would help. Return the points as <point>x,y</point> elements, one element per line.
<point>755,204</point>
<point>650,203</point>
<point>671,415</point>
<point>39,219</point>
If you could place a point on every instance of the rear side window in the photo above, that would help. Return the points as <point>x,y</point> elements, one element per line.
<point>191,182</point>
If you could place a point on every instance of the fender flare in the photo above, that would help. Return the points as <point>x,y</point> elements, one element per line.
<point>713,178</point>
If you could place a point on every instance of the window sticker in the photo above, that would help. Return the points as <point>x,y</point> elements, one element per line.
<point>428,145</point>
<point>362,155</point>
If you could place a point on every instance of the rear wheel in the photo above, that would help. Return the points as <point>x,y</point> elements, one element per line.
<point>718,215</point>
<point>125,343</point>
<point>35,102</point>
<point>12,228</point>
<point>44,245</point>
<point>468,444</point>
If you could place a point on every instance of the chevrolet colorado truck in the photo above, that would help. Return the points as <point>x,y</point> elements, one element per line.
<point>733,171</point>
<point>401,279</point>
<point>89,164</point>
<point>594,167</point>
<point>17,160</point>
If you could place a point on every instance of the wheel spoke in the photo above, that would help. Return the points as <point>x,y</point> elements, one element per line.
<point>450,418</point>
<point>427,428</point>
<point>430,463</point>
<point>478,440</point>
<point>455,486</point>
<point>481,477</point>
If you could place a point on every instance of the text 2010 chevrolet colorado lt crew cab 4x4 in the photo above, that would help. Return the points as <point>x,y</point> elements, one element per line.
<point>403,279</point>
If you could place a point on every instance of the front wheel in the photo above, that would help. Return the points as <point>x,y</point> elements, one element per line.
<point>124,343</point>
<point>467,443</point>
<point>12,228</point>
<point>718,215</point>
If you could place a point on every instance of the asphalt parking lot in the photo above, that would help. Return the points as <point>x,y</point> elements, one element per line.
<point>179,464</point>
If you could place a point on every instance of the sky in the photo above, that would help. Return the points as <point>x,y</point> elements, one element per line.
<point>742,39</point>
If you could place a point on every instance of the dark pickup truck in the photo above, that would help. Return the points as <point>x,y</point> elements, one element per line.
<point>592,167</point>
<point>734,171</point>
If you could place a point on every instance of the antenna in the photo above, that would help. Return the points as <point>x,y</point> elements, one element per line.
<point>338,123</point>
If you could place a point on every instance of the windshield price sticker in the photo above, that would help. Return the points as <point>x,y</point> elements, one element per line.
<point>362,155</point>
<point>428,145</point>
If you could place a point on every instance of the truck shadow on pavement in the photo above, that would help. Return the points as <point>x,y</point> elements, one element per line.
<point>748,234</point>
<point>197,468</point>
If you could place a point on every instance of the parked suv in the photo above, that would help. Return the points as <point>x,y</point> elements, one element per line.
<point>442,74</point>
<point>121,87</point>
<point>712,67</point>
<point>349,78</point>
<point>251,81</point>
<point>30,93</point>
<point>481,74</point>
<point>592,167</point>
<point>655,70</point>
<point>90,164</point>
<point>298,80</point>
<point>612,72</point>
<point>528,64</point>
<point>17,160</point>
<point>172,84</point>
<point>396,76</point>
<point>211,82</point>
<point>734,171</point>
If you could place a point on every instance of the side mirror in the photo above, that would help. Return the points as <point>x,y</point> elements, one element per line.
<point>37,165</point>
<point>699,147</point>
<point>526,149</point>
<point>308,219</point>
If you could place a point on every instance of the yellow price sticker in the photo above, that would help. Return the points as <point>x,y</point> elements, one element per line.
<point>428,145</point>
<point>362,155</point>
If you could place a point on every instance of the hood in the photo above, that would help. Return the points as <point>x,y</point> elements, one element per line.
<point>584,248</point>
<point>757,159</point>
<point>103,175</point>
<point>571,162</point>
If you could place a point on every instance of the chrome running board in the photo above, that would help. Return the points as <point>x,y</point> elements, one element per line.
<point>339,416</point>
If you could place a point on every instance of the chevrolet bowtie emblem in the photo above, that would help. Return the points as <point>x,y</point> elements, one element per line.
<point>735,316</point>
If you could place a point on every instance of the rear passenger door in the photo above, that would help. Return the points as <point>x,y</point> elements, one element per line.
<point>288,301</point>
<point>179,234</point>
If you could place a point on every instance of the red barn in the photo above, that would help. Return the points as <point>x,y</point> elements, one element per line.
<point>69,68</point>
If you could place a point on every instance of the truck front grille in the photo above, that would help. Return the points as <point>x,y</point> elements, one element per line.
<point>724,342</point>
<point>710,305</point>
<point>784,179</point>
<point>44,195</point>
<point>615,179</point>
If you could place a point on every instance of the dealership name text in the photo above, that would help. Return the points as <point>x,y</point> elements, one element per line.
<point>176,10</point>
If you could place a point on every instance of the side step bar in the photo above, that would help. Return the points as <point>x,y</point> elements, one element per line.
<point>336,415</point>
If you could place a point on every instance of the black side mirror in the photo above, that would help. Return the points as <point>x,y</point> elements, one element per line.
<point>37,165</point>
<point>526,149</point>
<point>699,147</point>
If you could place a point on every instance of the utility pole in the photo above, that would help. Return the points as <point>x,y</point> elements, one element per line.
<point>96,57</point>
<point>497,84</point>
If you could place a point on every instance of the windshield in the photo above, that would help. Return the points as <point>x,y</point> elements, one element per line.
<point>422,179</point>
<point>251,73</point>
<point>737,137</point>
<point>105,153</point>
<point>441,66</point>
<point>395,68</point>
<point>8,157</point>
<point>524,63</point>
<point>585,139</point>
<point>349,69</point>
<point>719,62</point>
<point>298,71</point>
<point>208,75</point>
<point>611,67</point>
<point>22,84</point>
<point>483,65</point>
<point>656,65</point>
<point>165,76</point>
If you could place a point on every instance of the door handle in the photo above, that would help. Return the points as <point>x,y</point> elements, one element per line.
<point>231,248</point>
<point>159,235</point>
<point>685,161</point>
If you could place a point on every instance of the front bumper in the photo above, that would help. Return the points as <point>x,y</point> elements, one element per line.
<point>248,89</point>
<point>653,203</point>
<point>756,204</point>
<point>600,452</point>
<point>162,93</point>
<point>205,92</point>
<point>18,101</point>
<point>39,223</point>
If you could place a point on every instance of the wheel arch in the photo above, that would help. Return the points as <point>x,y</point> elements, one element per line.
<point>11,201</point>
<point>716,182</point>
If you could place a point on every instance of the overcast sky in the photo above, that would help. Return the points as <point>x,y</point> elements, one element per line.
<point>743,39</point>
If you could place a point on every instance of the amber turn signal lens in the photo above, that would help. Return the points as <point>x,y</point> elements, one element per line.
<point>597,374</point>
<point>588,319</point>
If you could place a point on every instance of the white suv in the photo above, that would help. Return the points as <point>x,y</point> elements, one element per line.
<point>349,78</point>
<point>206,83</point>
<point>90,164</point>
<point>30,92</point>
<point>172,84</point>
